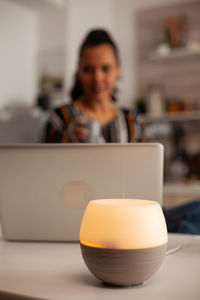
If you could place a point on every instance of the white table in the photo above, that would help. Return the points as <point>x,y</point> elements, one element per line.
<point>57,271</point>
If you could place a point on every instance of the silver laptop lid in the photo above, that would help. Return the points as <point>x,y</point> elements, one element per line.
<point>44,188</point>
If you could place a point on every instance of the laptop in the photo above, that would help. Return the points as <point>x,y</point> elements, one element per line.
<point>45,188</point>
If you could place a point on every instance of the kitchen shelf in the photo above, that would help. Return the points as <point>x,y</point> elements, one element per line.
<point>175,71</point>
<point>172,117</point>
<point>182,188</point>
<point>175,194</point>
<point>174,54</point>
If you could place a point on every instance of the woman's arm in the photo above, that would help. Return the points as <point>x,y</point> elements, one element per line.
<point>61,129</point>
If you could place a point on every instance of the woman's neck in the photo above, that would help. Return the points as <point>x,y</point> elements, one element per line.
<point>102,111</point>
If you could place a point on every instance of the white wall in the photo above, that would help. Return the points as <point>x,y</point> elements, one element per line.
<point>52,40</point>
<point>18,40</point>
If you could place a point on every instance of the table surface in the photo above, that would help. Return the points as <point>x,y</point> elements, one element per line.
<point>57,271</point>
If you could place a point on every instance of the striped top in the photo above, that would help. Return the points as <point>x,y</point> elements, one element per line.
<point>121,129</point>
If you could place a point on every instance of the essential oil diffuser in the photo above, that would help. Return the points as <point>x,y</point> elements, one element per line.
<point>123,241</point>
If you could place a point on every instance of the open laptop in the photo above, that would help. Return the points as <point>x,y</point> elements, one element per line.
<point>44,188</point>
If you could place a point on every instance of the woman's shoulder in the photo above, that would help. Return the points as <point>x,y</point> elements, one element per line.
<point>66,106</point>
<point>125,111</point>
<point>64,109</point>
<point>62,114</point>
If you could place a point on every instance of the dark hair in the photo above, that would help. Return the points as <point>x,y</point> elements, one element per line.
<point>93,38</point>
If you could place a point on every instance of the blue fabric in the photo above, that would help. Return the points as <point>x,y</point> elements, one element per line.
<point>184,218</point>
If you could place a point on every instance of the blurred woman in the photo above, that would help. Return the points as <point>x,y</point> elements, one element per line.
<point>93,116</point>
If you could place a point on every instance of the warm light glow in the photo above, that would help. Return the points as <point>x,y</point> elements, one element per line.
<point>123,224</point>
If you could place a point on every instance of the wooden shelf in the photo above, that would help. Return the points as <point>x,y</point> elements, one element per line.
<point>182,189</point>
<point>172,117</point>
<point>174,54</point>
<point>175,194</point>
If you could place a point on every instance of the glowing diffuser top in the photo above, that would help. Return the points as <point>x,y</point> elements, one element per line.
<point>123,224</point>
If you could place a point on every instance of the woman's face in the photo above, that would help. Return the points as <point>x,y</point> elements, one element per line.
<point>98,72</point>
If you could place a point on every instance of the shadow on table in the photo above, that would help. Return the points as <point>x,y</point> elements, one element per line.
<point>12,296</point>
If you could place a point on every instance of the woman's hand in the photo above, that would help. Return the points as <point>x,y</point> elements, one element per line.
<point>77,131</point>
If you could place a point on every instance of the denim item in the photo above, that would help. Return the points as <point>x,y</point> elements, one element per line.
<point>184,218</point>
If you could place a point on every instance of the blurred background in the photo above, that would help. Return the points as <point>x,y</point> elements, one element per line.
<point>159,43</point>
